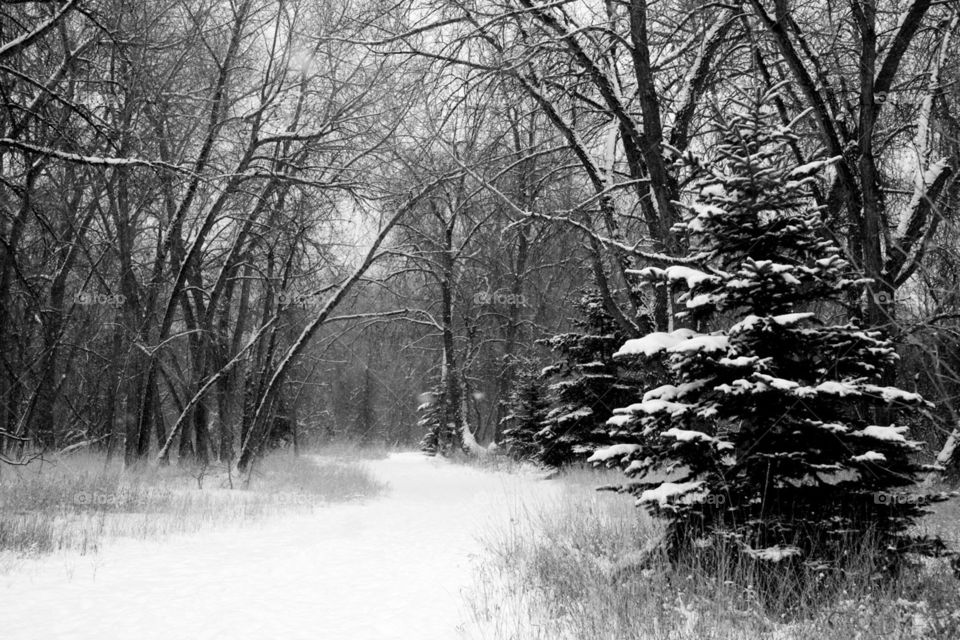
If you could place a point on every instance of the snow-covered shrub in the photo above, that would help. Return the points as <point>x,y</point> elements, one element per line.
<point>778,435</point>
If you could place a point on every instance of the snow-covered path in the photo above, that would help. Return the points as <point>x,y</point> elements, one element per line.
<point>391,568</point>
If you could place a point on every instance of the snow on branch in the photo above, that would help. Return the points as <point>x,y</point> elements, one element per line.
<point>652,407</point>
<point>671,490</point>
<point>812,168</point>
<point>928,181</point>
<point>750,322</point>
<point>17,45</point>
<point>702,343</point>
<point>613,451</point>
<point>676,273</point>
<point>894,394</point>
<point>653,343</point>
<point>102,161</point>
<point>687,435</point>
<point>439,24</point>
<point>917,224</point>
<point>889,433</point>
<point>909,23</point>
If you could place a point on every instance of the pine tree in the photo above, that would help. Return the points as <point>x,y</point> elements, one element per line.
<point>777,436</point>
<point>428,423</point>
<point>586,386</point>
<point>528,408</point>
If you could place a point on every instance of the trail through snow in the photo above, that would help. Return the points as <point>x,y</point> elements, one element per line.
<point>390,568</point>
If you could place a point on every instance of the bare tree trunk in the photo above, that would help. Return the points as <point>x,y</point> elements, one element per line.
<point>509,368</point>
<point>149,336</point>
<point>11,386</point>
<point>451,410</point>
<point>115,385</point>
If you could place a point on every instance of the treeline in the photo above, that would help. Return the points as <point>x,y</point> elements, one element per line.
<point>233,225</point>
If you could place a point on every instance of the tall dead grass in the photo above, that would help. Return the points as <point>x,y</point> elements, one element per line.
<point>570,570</point>
<point>77,501</point>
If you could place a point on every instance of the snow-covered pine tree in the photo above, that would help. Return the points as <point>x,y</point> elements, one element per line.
<point>586,385</point>
<point>429,423</point>
<point>528,408</point>
<point>777,434</point>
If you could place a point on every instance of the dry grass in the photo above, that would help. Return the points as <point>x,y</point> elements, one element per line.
<point>78,501</point>
<point>567,570</point>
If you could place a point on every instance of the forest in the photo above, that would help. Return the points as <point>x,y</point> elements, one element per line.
<point>226,223</point>
<point>712,245</point>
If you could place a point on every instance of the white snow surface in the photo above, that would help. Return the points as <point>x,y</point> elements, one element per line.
<point>389,568</point>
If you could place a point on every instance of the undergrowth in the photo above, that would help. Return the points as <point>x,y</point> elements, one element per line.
<point>574,569</point>
<point>76,501</point>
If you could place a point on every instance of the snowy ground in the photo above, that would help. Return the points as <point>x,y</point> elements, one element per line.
<point>393,567</point>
